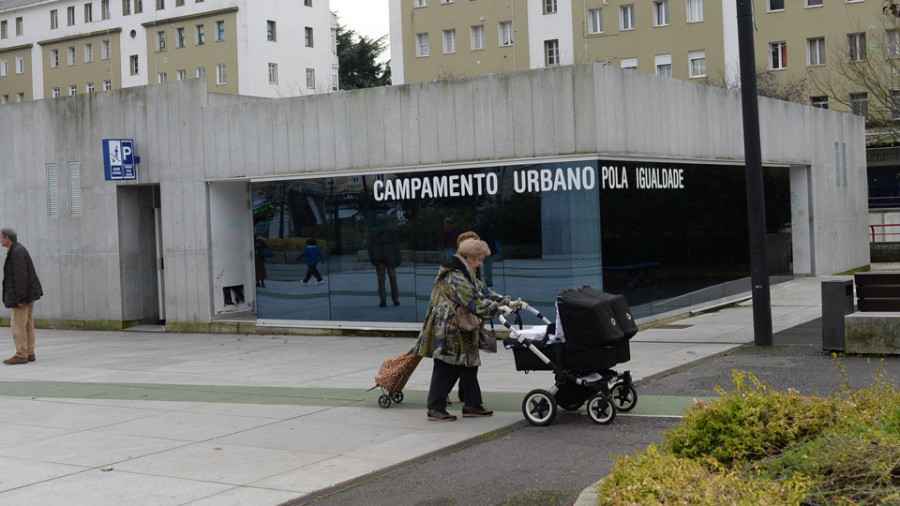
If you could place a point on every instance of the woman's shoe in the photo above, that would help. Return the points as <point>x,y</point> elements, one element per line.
<point>440,416</point>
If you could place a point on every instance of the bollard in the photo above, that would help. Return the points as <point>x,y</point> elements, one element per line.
<point>837,302</point>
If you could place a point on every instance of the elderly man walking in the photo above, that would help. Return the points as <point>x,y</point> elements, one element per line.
<point>21,288</point>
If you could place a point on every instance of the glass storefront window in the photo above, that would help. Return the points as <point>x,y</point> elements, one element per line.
<point>664,235</point>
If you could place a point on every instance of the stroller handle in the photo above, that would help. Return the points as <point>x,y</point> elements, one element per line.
<point>531,310</point>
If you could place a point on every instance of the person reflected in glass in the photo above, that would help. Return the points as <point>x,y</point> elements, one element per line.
<point>384,253</point>
<point>448,237</point>
<point>260,248</point>
<point>313,255</point>
<point>488,235</point>
<point>455,352</point>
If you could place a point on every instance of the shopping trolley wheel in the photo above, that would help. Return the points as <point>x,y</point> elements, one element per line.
<point>384,400</point>
<point>539,407</point>
<point>397,397</point>
<point>601,409</point>
<point>625,398</point>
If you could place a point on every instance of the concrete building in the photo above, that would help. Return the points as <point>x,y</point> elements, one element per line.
<point>277,48</point>
<point>590,174</point>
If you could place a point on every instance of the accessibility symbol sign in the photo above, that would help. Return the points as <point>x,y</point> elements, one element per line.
<point>119,160</point>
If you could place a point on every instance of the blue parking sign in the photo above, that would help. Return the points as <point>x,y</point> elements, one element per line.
<point>119,159</point>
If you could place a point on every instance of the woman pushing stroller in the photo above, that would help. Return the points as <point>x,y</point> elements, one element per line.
<point>444,336</point>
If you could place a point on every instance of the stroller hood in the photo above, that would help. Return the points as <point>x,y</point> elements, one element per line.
<point>589,318</point>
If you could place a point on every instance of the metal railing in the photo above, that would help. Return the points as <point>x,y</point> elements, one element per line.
<point>882,232</point>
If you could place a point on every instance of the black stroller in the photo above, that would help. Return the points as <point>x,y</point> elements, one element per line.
<point>596,327</point>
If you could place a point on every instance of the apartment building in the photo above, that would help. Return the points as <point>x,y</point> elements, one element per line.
<point>802,40</point>
<point>277,48</point>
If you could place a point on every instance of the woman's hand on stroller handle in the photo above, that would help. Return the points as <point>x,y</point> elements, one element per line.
<point>518,304</point>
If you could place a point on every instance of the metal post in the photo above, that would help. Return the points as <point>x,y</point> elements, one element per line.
<point>756,202</point>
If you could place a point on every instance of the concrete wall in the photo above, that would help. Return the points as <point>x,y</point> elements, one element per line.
<point>188,138</point>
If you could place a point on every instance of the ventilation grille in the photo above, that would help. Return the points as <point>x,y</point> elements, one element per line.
<point>75,188</point>
<point>52,190</point>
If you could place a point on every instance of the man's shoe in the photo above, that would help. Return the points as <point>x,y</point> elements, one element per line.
<point>31,358</point>
<point>476,411</point>
<point>382,304</point>
<point>440,416</point>
<point>320,282</point>
<point>18,360</point>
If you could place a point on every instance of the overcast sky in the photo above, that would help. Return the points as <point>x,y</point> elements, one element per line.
<point>366,17</point>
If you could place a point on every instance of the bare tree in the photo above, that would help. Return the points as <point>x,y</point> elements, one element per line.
<point>769,83</point>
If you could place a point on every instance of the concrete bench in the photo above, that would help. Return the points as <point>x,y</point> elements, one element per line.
<point>875,327</point>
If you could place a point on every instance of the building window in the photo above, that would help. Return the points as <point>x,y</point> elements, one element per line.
<point>20,97</point>
<point>161,77</point>
<point>595,21</point>
<point>273,73</point>
<point>4,29</point>
<point>55,92</point>
<point>179,3</point>
<point>333,41</point>
<point>477,33</point>
<point>104,50</point>
<point>179,37</point>
<point>160,4</point>
<point>446,1</point>
<point>201,72</point>
<point>133,64</point>
<point>629,63</point>
<point>270,31</point>
<point>697,62</point>
<point>200,35</point>
<point>70,16</point>
<point>126,7</point>
<point>420,3</point>
<point>107,85</point>
<point>506,33</point>
<point>73,90</point>
<point>4,67</point>
<point>422,47</point>
<point>311,78</point>
<point>335,79</point>
<point>161,40</point>
<point>220,74</point>
<point>549,6</point>
<point>71,52</point>
<point>307,3</point>
<point>181,75</point>
<point>88,52</point>
<point>308,36</point>
<point>551,52</point>
<point>694,11</point>
<point>4,99</point>
<point>54,58</point>
<point>104,9</point>
<point>138,6</point>
<point>88,12</point>
<point>54,19</point>
<point>856,46</point>
<point>220,30</point>
<point>777,55</point>
<point>895,104</point>
<point>859,104</point>
<point>449,41</point>
<point>892,43</point>
<point>664,65</point>
<point>20,26</point>
<point>813,3</point>
<point>20,65</point>
<point>89,88</point>
<point>815,51</point>
<point>775,5</point>
<point>661,13</point>
<point>626,17</point>
<point>820,102</point>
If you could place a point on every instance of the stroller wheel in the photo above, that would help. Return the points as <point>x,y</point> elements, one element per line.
<point>397,397</point>
<point>384,400</point>
<point>539,407</point>
<point>624,398</point>
<point>601,410</point>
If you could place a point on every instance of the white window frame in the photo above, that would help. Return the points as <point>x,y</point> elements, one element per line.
<point>54,58</point>
<point>449,37</point>
<point>626,17</point>
<point>815,52</point>
<point>4,67</point>
<point>550,7</point>
<point>813,3</point>
<point>88,12</point>
<point>476,37</point>
<point>134,64</point>
<point>663,65</point>
<point>55,92</point>
<point>107,85</point>
<point>311,78</point>
<point>104,10</point>
<point>769,7</point>
<point>892,43</point>
<point>221,76</point>
<point>200,72</point>
<point>126,7</point>
<point>595,21</point>
<point>551,53</point>
<point>696,59</point>
<point>856,46</point>
<point>180,38</point>
<point>72,58</point>
<point>335,78</point>
<point>162,77</point>
<point>54,19</point>
<point>820,102</point>
<point>73,90</point>
<point>628,64</point>
<point>420,3</point>
<point>88,52</point>
<point>199,34</point>
<point>181,74</point>
<point>308,39</point>
<point>661,13</point>
<point>859,104</point>
<point>778,55</point>
<point>105,50</point>
<point>271,33</point>
<point>220,31</point>
<point>505,31</point>
<point>70,15</point>
<point>894,104</point>
<point>161,40</point>
<point>20,64</point>
<point>694,11</point>
<point>423,45</point>
<point>273,73</point>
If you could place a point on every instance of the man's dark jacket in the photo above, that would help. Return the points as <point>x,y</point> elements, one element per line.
<point>20,281</point>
